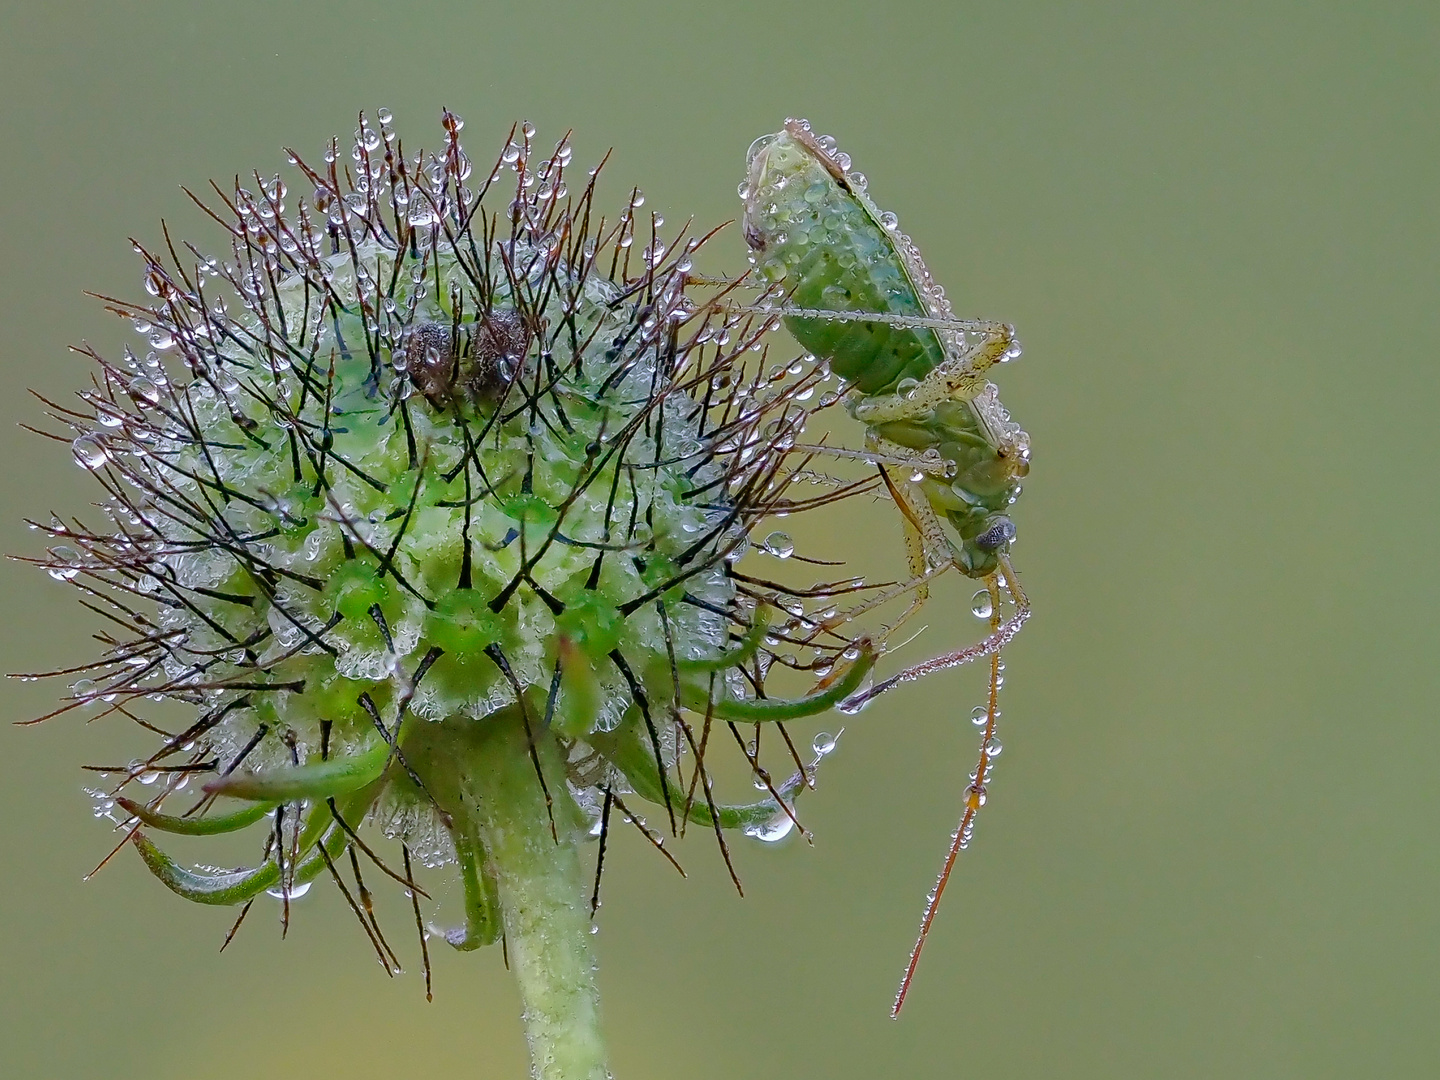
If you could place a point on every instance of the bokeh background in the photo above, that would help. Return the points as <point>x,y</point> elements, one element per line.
<point>1211,849</point>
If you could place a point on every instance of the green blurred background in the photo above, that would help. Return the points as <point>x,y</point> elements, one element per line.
<point>1211,848</point>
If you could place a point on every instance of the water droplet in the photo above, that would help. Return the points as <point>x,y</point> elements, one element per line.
<point>980,605</point>
<point>296,891</point>
<point>89,452</point>
<point>979,716</point>
<point>774,830</point>
<point>823,743</point>
<point>778,544</point>
<point>993,748</point>
<point>142,389</point>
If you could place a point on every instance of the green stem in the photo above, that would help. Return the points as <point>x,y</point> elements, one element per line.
<point>542,895</point>
<point>484,775</point>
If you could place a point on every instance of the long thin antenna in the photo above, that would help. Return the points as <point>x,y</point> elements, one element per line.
<point>974,800</point>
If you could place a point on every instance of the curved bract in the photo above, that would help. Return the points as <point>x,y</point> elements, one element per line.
<point>207,825</point>
<point>238,886</point>
<point>320,780</point>
<point>696,695</point>
<point>627,748</point>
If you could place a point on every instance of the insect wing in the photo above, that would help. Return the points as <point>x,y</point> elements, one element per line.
<point>815,232</point>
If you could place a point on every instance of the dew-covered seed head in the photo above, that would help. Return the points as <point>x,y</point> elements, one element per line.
<point>413,453</point>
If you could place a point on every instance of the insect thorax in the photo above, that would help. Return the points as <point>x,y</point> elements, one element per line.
<point>985,454</point>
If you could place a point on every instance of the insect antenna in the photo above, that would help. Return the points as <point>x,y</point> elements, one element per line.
<point>975,796</point>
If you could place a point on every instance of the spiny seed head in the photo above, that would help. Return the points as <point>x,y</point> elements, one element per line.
<point>426,443</point>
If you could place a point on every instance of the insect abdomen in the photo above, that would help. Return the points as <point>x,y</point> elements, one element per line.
<point>813,236</point>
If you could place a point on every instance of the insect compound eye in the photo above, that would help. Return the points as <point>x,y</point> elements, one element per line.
<point>429,357</point>
<point>999,532</point>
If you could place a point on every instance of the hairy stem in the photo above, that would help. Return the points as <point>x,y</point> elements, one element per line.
<point>547,927</point>
<point>483,773</point>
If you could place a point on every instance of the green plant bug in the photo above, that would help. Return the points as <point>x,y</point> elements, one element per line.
<point>854,291</point>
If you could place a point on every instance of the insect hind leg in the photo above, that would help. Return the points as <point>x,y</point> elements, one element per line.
<point>915,322</point>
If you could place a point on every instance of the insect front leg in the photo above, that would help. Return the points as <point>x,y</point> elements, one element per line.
<point>919,568</point>
<point>929,552</point>
<point>928,549</point>
<point>903,458</point>
<point>880,599</point>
